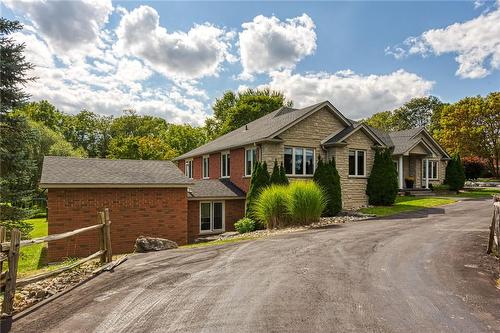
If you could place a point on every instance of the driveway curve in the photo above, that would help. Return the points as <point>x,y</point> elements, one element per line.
<point>415,272</point>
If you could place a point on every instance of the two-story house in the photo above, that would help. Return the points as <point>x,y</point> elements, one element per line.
<point>221,169</point>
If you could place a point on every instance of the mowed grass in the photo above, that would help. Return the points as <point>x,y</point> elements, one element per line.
<point>31,257</point>
<point>407,204</point>
<point>482,192</point>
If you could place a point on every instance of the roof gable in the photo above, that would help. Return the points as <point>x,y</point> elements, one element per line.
<point>263,129</point>
<point>350,130</point>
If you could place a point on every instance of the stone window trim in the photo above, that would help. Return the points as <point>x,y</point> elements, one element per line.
<point>211,217</point>
<point>205,166</point>
<point>433,169</point>
<point>305,150</point>
<point>188,168</point>
<point>356,168</point>
<point>225,164</point>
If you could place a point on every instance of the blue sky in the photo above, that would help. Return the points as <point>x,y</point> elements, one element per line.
<point>172,59</point>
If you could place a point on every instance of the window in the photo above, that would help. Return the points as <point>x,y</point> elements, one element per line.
<point>225,165</point>
<point>357,162</point>
<point>250,160</point>
<point>288,161</point>
<point>211,216</point>
<point>206,165</point>
<point>298,161</point>
<point>433,170</point>
<point>188,169</point>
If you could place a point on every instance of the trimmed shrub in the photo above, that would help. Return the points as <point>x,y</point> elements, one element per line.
<point>306,202</point>
<point>327,177</point>
<point>245,225</point>
<point>277,177</point>
<point>440,188</point>
<point>382,187</point>
<point>474,167</point>
<point>455,176</point>
<point>270,208</point>
<point>259,181</point>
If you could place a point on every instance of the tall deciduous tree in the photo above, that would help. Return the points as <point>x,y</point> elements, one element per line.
<point>16,136</point>
<point>234,110</point>
<point>471,127</point>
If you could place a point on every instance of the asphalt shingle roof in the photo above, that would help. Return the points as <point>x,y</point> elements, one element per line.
<point>59,170</point>
<point>214,188</point>
<point>257,130</point>
<point>404,140</point>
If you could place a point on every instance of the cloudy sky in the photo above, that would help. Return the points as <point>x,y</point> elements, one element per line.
<point>172,59</point>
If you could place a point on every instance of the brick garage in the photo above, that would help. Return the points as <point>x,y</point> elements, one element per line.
<point>144,198</point>
<point>156,212</point>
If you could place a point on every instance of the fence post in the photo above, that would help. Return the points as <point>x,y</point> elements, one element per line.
<point>10,280</point>
<point>109,252</point>
<point>3,238</point>
<point>102,237</point>
<point>495,224</point>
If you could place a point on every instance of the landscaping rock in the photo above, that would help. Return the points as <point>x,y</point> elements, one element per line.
<point>149,244</point>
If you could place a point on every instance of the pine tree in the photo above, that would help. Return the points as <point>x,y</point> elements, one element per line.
<point>275,175</point>
<point>278,175</point>
<point>260,180</point>
<point>327,177</point>
<point>455,175</point>
<point>382,187</point>
<point>283,177</point>
<point>16,136</point>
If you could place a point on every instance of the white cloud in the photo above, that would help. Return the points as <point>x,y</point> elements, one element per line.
<point>179,55</point>
<point>71,29</point>
<point>355,95</point>
<point>36,51</point>
<point>476,43</point>
<point>267,44</point>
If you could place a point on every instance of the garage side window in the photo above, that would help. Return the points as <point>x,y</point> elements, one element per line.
<point>211,216</point>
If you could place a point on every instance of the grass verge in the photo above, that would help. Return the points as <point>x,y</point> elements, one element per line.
<point>407,204</point>
<point>217,242</point>
<point>482,192</point>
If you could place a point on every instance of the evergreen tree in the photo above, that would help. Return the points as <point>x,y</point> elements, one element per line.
<point>260,180</point>
<point>327,177</point>
<point>455,174</point>
<point>16,136</point>
<point>278,175</point>
<point>382,187</point>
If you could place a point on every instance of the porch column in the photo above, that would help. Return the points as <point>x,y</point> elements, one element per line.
<point>400,172</point>
<point>426,173</point>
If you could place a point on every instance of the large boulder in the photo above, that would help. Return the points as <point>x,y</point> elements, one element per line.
<point>149,244</point>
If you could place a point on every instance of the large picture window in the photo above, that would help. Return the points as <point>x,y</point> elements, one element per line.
<point>298,161</point>
<point>188,168</point>
<point>225,165</point>
<point>250,160</point>
<point>211,216</point>
<point>206,165</point>
<point>433,170</point>
<point>357,163</point>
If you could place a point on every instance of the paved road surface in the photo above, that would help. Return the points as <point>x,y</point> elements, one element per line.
<point>415,273</point>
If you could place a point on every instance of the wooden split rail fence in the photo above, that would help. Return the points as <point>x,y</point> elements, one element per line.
<point>494,240</point>
<point>10,250</point>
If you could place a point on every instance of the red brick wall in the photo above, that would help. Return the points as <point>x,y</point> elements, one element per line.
<point>234,210</point>
<point>157,212</point>
<point>181,164</point>
<point>238,169</point>
<point>214,166</point>
<point>197,168</point>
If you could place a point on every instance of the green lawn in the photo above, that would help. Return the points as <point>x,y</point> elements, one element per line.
<point>482,192</point>
<point>407,204</point>
<point>31,257</point>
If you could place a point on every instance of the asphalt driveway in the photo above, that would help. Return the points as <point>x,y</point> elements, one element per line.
<point>414,273</point>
